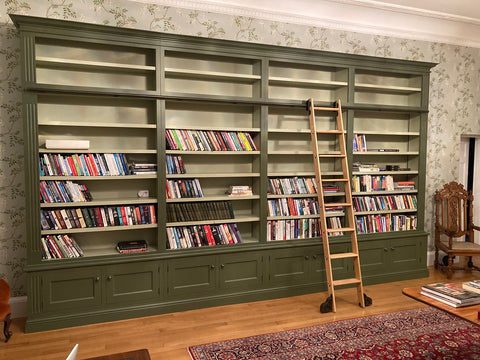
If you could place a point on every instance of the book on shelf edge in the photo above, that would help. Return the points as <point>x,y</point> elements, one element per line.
<point>452,293</point>
<point>131,246</point>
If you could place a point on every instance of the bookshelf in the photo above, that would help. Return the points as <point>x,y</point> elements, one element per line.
<point>191,118</point>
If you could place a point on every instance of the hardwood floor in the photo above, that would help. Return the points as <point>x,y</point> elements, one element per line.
<point>168,336</point>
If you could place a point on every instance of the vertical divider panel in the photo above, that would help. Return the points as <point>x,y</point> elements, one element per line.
<point>161,176</point>
<point>263,172</point>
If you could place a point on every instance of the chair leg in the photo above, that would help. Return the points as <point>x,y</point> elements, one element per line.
<point>436,258</point>
<point>6,327</point>
<point>450,267</point>
<point>470,263</point>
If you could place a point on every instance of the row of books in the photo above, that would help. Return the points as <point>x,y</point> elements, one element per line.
<point>76,218</point>
<point>59,247</point>
<point>83,165</point>
<point>199,211</point>
<point>292,206</point>
<point>384,223</point>
<point>359,142</point>
<point>209,140</point>
<point>293,185</point>
<point>390,202</point>
<point>184,188</point>
<point>372,183</point>
<point>292,229</point>
<point>63,191</point>
<point>182,237</point>
<point>174,164</point>
<point>334,222</point>
<point>143,169</point>
<point>466,295</point>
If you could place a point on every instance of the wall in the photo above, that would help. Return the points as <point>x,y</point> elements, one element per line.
<point>454,89</point>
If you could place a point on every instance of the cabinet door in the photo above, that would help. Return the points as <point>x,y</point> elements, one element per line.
<point>131,282</point>
<point>242,271</point>
<point>405,254</point>
<point>191,277</point>
<point>374,257</point>
<point>289,267</point>
<point>71,289</point>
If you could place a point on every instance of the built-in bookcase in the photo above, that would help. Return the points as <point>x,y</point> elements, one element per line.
<point>198,117</point>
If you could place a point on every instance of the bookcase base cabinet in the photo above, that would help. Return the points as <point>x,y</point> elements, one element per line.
<point>393,259</point>
<point>77,296</point>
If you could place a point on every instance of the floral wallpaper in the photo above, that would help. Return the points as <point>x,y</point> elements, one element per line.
<point>454,89</point>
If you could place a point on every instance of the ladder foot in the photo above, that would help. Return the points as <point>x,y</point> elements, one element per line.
<point>367,300</point>
<point>327,306</point>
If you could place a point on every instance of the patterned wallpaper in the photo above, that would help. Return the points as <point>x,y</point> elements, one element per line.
<point>454,89</point>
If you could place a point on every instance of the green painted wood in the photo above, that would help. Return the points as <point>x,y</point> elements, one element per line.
<point>109,287</point>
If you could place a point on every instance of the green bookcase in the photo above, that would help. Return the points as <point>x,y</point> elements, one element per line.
<point>123,89</point>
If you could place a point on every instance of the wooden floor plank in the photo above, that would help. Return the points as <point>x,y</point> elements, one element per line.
<point>168,336</point>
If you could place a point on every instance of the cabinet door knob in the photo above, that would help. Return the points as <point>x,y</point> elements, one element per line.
<point>109,277</point>
<point>392,248</point>
<point>222,266</point>
<point>306,257</point>
<point>212,267</point>
<point>314,257</point>
<point>385,249</point>
<point>97,278</point>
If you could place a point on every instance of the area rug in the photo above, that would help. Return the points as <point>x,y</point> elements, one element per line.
<point>425,333</point>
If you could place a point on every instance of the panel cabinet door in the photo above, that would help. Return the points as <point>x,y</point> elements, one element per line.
<point>242,271</point>
<point>191,277</point>
<point>71,289</point>
<point>406,254</point>
<point>374,257</point>
<point>289,267</point>
<point>131,282</point>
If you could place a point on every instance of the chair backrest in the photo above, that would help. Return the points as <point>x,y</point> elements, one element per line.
<point>453,209</point>
<point>4,291</point>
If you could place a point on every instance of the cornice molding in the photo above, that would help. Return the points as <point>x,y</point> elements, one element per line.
<point>377,17</point>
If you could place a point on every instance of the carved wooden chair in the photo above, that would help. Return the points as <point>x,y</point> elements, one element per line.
<point>5,308</point>
<point>453,219</point>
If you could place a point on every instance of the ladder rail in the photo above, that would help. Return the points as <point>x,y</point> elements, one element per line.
<point>347,206</point>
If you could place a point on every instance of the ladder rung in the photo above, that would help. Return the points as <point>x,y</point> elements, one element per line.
<point>346,282</point>
<point>330,180</point>
<point>337,204</point>
<point>329,131</point>
<point>325,108</point>
<point>343,255</point>
<point>331,155</point>
<point>341,229</point>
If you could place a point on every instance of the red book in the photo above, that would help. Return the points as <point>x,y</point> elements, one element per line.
<point>93,165</point>
<point>71,164</point>
<point>124,215</point>
<point>209,235</point>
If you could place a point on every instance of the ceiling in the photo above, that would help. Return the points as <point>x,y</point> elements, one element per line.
<point>448,21</point>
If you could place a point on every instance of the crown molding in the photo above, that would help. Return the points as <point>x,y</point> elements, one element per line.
<point>376,18</point>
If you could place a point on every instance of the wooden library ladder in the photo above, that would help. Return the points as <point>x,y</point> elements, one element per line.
<point>349,227</point>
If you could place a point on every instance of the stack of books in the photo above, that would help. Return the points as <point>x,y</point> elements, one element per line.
<point>451,294</point>
<point>473,286</point>
<point>135,246</point>
<point>239,190</point>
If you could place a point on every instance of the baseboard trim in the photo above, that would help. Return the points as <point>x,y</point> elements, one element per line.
<point>19,306</point>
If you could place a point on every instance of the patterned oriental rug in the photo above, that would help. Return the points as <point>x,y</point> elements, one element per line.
<point>425,333</point>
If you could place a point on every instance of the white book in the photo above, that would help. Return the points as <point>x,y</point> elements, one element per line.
<point>67,144</point>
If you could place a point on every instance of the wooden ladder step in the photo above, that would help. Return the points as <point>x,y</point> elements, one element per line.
<point>333,179</point>
<point>337,204</point>
<point>329,131</point>
<point>348,255</point>
<point>326,108</point>
<point>331,155</point>
<point>341,229</point>
<point>346,281</point>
